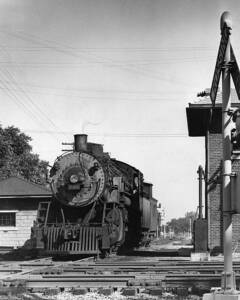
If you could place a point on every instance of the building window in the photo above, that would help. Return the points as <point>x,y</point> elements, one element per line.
<point>7,219</point>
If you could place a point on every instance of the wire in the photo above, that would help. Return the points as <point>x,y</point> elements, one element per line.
<point>18,101</point>
<point>173,48</point>
<point>106,63</point>
<point>127,135</point>
<point>100,98</point>
<point>32,105</point>
<point>128,62</point>
<point>94,90</point>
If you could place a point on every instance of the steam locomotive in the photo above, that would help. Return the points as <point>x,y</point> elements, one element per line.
<point>100,204</point>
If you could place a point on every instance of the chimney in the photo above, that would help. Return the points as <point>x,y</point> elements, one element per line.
<point>80,142</point>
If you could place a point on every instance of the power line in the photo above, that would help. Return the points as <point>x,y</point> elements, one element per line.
<point>30,101</point>
<point>27,109</point>
<point>106,63</point>
<point>18,101</point>
<point>116,62</point>
<point>148,49</point>
<point>120,135</point>
<point>100,98</point>
<point>95,90</point>
<point>37,108</point>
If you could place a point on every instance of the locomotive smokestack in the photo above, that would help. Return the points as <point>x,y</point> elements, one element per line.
<point>80,142</point>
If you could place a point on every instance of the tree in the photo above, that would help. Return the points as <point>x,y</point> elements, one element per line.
<point>181,225</point>
<point>17,159</point>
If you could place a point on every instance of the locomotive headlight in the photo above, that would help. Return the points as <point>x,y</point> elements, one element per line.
<point>73,178</point>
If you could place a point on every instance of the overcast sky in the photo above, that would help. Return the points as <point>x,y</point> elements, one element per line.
<point>121,71</point>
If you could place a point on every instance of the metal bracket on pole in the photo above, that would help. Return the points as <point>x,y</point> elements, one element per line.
<point>228,281</point>
<point>227,65</point>
<point>233,174</point>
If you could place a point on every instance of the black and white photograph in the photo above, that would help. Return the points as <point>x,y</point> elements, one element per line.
<point>119,149</point>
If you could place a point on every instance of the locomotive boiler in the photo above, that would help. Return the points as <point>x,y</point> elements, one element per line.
<point>99,204</point>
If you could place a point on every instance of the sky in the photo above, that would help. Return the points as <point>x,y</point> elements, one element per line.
<point>121,71</point>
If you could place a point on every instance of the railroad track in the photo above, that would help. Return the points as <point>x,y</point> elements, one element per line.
<point>117,273</point>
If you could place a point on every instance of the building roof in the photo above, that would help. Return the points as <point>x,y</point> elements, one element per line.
<point>206,101</point>
<point>17,187</point>
<point>202,117</point>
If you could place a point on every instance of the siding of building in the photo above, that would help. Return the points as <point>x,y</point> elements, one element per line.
<point>19,235</point>
<point>214,193</point>
<point>21,198</point>
<point>202,119</point>
<point>26,212</point>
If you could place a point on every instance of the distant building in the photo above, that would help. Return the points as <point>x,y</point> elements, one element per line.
<point>19,201</point>
<point>205,122</point>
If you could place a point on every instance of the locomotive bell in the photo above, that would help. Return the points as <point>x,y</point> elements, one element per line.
<point>80,142</point>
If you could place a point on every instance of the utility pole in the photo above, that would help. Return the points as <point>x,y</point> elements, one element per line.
<point>228,278</point>
<point>226,65</point>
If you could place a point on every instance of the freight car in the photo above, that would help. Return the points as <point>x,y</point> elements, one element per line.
<point>99,204</point>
